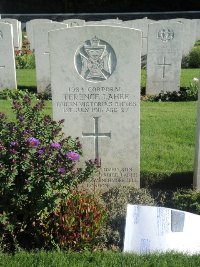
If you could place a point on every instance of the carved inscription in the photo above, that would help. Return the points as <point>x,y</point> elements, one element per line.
<point>166,35</point>
<point>1,35</point>
<point>95,100</point>
<point>164,65</point>
<point>114,176</point>
<point>96,136</point>
<point>95,60</point>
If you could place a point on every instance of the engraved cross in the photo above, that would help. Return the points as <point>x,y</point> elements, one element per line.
<point>164,64</point>
<point>96,136</point>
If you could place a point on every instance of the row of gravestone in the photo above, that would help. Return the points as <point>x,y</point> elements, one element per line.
<point>167,42</point>
<point>164,43</point>
<point>95,75</point>
<point>164,40</point>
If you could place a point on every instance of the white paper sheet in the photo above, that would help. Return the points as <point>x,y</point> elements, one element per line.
<point>158,229</point>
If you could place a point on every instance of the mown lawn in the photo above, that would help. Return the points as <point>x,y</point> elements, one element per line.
<point>27,78</point>
<point>97,259</point>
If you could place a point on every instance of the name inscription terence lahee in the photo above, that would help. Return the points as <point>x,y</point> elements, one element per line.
<point>95,99</point>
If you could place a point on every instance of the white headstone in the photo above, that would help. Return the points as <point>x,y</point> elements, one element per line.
<point>95,91</point>
<point>111,22</point>
<point>20,34</point>
<point>164,57</point>
<point>196,176</point>
<point>29,29</point>
<point>42,60</point>
<point>157,229</point>
<point>140,24</point>
<point>16,31</point>
<point>74,22</point>
<point>7,57</point>
<point>189,32</point>
<point>197,29</point>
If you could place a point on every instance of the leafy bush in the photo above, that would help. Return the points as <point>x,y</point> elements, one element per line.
<point>25,59</point>
<point>187,200</point>
<point>76,222</point>
<point>16,93</point>
<point>194,58</point>
<point>116,200</point>
<point>38,169</point>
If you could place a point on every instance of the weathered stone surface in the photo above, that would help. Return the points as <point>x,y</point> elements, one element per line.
<point>142,25</point>
<point>74,22</point>
<point>17,33</point>
<point>40,33</point>
<point>189,33</point>
<point>96,88</point>
<point>164,57</point>
<point>7,57</point>
<point>196,176</point>
<point>29,29</point>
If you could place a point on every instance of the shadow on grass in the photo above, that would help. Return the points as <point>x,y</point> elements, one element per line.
<point>31,89</point>
<point>165,181</point>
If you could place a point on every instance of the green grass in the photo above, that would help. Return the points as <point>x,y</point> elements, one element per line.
<point>168,141</point>
<point>26,78</point>
<point>6,107</point>
<point>187,75</point>
<point>97,259</point>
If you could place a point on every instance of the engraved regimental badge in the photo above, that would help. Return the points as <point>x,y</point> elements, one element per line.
<point>166,35</point>
<point>95,60</point>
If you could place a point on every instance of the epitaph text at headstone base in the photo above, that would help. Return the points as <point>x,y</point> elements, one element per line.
<point>29,30</point>
<point>7,57</point>
<point>42,60</point>
<point>164,57</point>
<point>95,82</point>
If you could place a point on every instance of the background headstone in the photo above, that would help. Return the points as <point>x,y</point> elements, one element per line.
<point>74,22</point>
<point>42,60</point>
<point>189,33</point>
<point>197,29</point>
<point>164,57</point>
<point>17,33</point>
<point>111,22</point>
<point>140,24</point>
<point>29,29</point>
<point>7,57</point>
<point>95,91</point>
<point>196,176</point>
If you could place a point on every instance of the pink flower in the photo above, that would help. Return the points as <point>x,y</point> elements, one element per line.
<point>33,141</point>
<point>56,145</point>
<point>72,156</point>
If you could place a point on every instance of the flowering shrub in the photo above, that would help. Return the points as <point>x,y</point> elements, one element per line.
<point>76,223</point>
<point>185,94</point>
<point>25,59</point>
<point>38,169</point>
